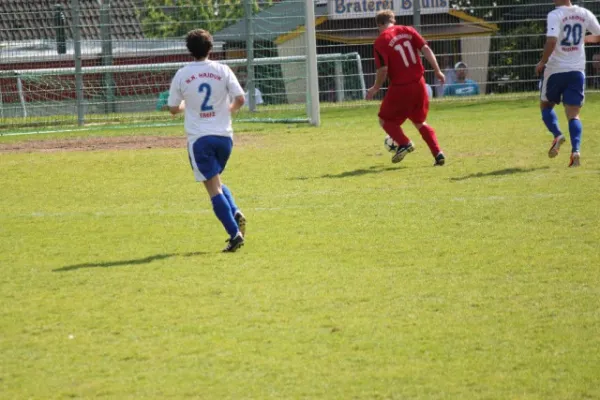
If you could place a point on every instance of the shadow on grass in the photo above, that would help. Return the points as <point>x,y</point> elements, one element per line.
<point>376,169</point>
<point>122,263</point>
<point>500,172</point>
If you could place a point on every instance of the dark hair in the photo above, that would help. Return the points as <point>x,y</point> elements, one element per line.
<point>385,17</point>
<point>199,42</point>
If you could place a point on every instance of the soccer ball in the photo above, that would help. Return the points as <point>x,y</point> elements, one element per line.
<point>390,144</point>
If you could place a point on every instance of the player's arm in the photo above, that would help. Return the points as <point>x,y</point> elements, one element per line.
<point>420,43</point>
<point>235,90</point>
<point>177,109</point>
<point>430,57</point>
<point>548,49</point>
<point>594,29</point>
<point>175,101</point>
<point>381,74</point>
<point>591,39</point>
<point>380,77</point>
<point>238,102</point>
<point>551,40</point>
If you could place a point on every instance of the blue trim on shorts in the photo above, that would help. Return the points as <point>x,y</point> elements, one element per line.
<point>211,154</point>
<point>565,87</point>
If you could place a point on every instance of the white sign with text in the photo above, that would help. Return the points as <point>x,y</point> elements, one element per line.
<point>347,9</point>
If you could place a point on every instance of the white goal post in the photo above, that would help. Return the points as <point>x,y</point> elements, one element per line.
<point>312,94</point>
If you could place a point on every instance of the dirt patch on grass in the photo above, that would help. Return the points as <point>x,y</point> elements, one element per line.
<point>99,143</point>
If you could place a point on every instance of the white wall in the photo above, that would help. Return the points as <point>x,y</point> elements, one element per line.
<point>475,53</point>
<point>294,74</point>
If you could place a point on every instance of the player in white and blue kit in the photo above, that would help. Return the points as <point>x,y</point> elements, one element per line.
<point>563,68</point>
<point>203,89</point>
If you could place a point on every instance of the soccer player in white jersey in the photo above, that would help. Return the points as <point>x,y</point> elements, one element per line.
<point>203,89</point>
<point>563,68</point>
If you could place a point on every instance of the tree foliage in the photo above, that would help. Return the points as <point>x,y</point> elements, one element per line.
<point>514,56</point>
<point>174,18</point>
<point>497,10</point>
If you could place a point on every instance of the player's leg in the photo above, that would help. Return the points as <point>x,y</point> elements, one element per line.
<point>206,165</point>
<point>229,197</point>
<point>223,212</point>
<point>239,217</point>
<point>419,117</point>
<point>573,98</point>
<point>429,136</point>
<point>222,154</point>
<point>551,120</point>
<point>575,131</point>
<point>220,204</point>
<point>550,95</point>
<point>392,115</point>
<point>394,130</point>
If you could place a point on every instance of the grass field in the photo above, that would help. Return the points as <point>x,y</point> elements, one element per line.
<point>360,279</point>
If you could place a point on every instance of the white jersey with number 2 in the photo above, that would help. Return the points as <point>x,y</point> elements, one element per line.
<point>569,25</point>
<point>206,87</point>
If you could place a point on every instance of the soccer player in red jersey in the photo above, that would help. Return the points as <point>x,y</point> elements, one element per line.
<point>397,58</point>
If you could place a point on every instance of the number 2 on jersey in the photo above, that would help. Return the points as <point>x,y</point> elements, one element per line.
<point>573,35</point>
<point>205,87</point>
<point>411,52</point>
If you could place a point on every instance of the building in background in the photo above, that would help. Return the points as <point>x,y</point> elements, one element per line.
<point>342,26</point>
<point>28,41</point>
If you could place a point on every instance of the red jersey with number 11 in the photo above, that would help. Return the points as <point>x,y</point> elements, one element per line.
<point>398,48</point>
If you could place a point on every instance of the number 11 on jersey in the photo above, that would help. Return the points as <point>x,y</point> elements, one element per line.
<point>399,48</point>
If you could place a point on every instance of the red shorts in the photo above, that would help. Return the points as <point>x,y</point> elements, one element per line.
<point>404,102</point>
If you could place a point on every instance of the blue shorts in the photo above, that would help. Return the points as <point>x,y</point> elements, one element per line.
<point>209,155</point>
<point>563,86</point>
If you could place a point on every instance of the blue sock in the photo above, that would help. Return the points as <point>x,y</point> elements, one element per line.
<point>223,212</point>
<point>229,197</point>
<point>551,120</point>
<point>575,130</point>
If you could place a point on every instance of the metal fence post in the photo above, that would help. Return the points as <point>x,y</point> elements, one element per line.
<point>107,57</point>
<point>250,54</point>
<point>313,105</point>
<point>417,15</point>
<point>21,96</point>
<point>77,59</point>
<point>339,80</point>
<point>363,85</point>
<point>60,23</point>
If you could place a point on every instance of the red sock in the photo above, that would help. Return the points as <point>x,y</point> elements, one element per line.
<point>396,133</point>
<point>428,135</point>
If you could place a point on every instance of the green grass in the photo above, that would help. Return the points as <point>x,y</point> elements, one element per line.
<point>266,114</point>
<point>359,278</point>
<point>117,121</point>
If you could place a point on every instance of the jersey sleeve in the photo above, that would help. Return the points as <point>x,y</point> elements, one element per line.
<point>233,85</point>
<point>418,41</point>
<point>553,25</point>
<point>175,95</point>
<point>381,56</point>
<point>593,26</point>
